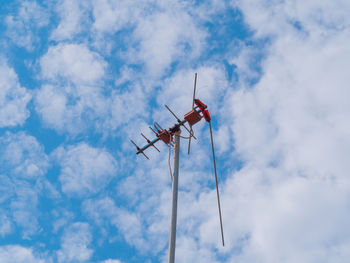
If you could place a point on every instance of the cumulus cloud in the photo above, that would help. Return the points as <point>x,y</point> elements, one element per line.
<point>20,254</point>
<point>72,63</point>
<point>104,212</point>
<point>313,16</point>
<point>23,165</point>
<point>5,224</point>
<point>22,28</point>
<point>13,98</point>
<point>84,170</point>
<point>75,244</point>
<point>285,217</point>
<point>111,261</point>
<point>73,98</point>
<point>166,37</point>
<point>22,155</point>
<point>73,19</point>
<point>75,109</point>
<point>24,208</point>
<point>111,16</point>
<point>122,107</point>
<point>161,32</point>
<point>71,109</point>
<point>187,250</point>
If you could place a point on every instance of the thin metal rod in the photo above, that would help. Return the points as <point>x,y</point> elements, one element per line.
<point>217,185</point>
<point>139,150</point>
<point>194,89</point>
<point>157,126</point>
<point>153,130</point>
<point>172,234</point>
<point>149,141</point>
<point>166,106</point>
<point>145,155</point>
<point>194,96</point>
<point>189,142</point>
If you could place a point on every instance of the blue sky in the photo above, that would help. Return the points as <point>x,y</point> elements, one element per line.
<point>78,79</point>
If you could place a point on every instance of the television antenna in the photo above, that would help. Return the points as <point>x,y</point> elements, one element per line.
<point>171,137</point>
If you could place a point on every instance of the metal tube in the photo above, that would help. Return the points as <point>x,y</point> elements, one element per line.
<point>172,234</point>
<point>217,185</point>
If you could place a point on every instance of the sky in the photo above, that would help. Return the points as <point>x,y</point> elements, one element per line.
<point>78,79</point>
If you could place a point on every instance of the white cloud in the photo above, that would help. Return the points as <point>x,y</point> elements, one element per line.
<point>72,63</point>
<point>104,212</point>
<point>75,100</point>
<point>19,254</point>
<point>5,224</point>
<point>111,261</point>
<point>24,208</point>
<point>315,17</point>
<point>122,107</point>
<point>51,104</point>
<point>75,244</point>
<point>246,60</point>
<point>73,19</point>
<point>22,27</point>
<point>22,156</point>
<point>23,165</point>
<point>273,217</point>
<point>62,217</point>
<point>74,96</point>
<point>71,109</point>
<point>13,98</point>
<point>165,37</point>
<point>84,170</point>
<point>187,250</point>
<point>162,32</point>
<point>111,16</point>
<point>75,109</point>
<point>130,225</point>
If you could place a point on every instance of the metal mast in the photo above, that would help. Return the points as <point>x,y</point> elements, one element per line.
<point>172,233</point>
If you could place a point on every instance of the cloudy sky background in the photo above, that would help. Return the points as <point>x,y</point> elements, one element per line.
<point>79,78</point>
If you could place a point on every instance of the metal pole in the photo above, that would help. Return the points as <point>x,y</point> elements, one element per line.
<point>172,234</point>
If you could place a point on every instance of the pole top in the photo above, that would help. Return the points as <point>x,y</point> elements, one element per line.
<point>175,129</point>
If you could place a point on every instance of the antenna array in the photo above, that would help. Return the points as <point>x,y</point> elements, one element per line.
<point>199,111</point>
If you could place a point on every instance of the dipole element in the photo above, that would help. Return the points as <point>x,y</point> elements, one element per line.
<point>172,235</point>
